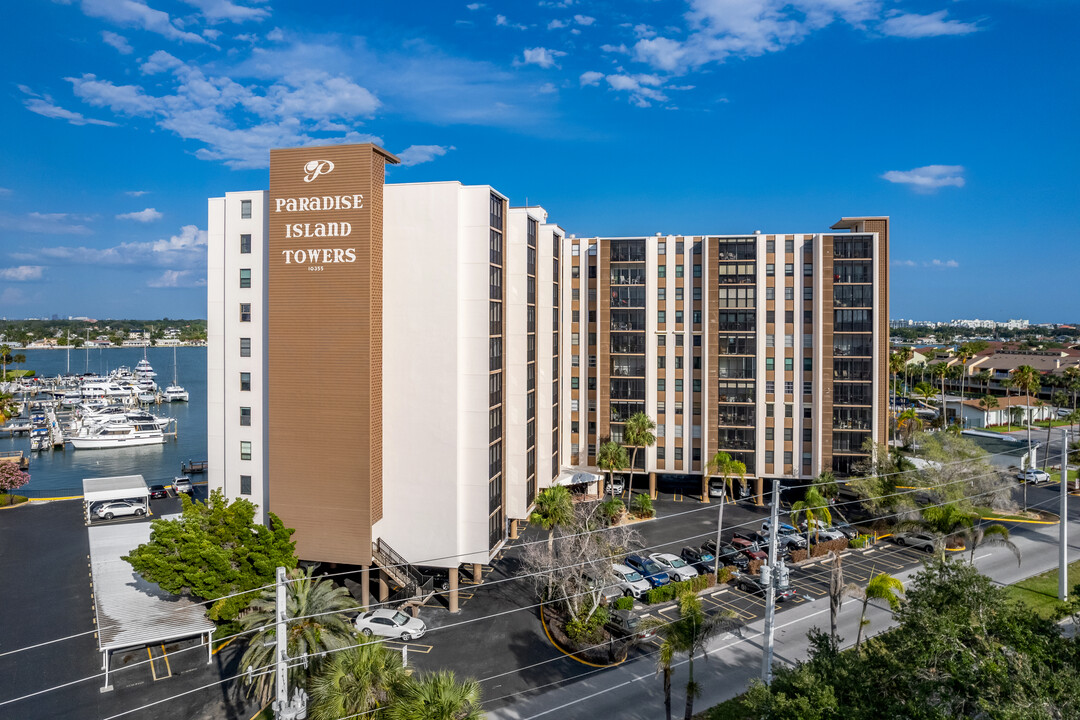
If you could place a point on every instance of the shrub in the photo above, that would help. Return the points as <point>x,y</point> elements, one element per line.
<point>589,630</point>
<point>624,603</point>
<point>860,541</point>
<point>754,566</point>
<point>612,510</point>
<point>798,555</point>
<point>726,573</point>
<point>643,506</point>
<point>669,592</point>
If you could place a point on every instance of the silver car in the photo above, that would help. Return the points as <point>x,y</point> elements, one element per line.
<point>117,508</point>
<point>390,623</point>
<point>674,565</point>
<point>919,540</point>
<point>630,581</point>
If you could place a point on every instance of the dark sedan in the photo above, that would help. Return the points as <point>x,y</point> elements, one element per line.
<point>729,554</point>
<point>699,558</point>
<point>752,584</point>
<point>157,491</point>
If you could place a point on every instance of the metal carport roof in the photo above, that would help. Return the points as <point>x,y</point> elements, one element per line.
<point>121,487</point>
<point>131,611</point>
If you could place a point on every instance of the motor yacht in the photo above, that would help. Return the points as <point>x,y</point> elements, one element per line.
<point>117,434</point>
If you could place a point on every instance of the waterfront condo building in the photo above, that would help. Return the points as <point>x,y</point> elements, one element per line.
<point>396,370</point>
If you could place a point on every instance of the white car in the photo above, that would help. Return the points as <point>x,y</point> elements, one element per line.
<point>919,540</point>
<point>674,565</point>
<point>823,532</point>
<point>390,623</point>
<point>1034,476</point>
<point>629,581</point>
<point>117,508</point>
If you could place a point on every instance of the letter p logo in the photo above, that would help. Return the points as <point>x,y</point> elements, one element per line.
<point>315,168</point>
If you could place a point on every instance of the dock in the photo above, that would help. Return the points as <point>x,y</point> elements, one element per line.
<point>193,467</point>
<point>56,432</point>
<point>15,456</point>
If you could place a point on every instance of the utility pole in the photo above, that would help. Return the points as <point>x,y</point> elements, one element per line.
<point>769,577</point>
<point>719,527</point>
<point>1063,526</point>
<point>283,708</point>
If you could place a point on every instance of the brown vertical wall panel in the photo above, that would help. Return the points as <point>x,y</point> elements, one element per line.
<point>325,349</point>
<point>826,419</point>
<point>881,227</point>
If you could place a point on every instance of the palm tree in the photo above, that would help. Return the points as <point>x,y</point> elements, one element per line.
<point>1072,377</point>
<point>909,423</point>
<point>318,607</point>
<point>881,587</point>
<point>689,634</point>
<point>925,391</point>
<point>554,507</point>
<point>944,521</point>
<point>357,681</point>
<point>18,359</point>
<point>983,376</point>
<point>437,696</point>
<point>725,466</point>
<point>814,506</point>
<point>5,353</point>
<point>611,456</point>
<point>941,370</point>
<point>1026,378</point>
<point>837,590</point>
<point>993,534</point>
<point>988,403</point>
<point>637,433</point>
<point>897,361</point>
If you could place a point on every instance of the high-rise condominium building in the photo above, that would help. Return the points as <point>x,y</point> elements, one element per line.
<point>397,370</point>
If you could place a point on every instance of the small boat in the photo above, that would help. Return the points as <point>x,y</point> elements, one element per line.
<point>175,393</point>
<point>39,443</point>
<point>147,397</point>
<point>117,434</point>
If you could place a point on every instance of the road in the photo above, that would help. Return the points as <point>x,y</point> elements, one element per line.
<point>633,690</point>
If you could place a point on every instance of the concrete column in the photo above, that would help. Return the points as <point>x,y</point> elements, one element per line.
<point>384,587</point>
<point>600,486</point>
<point>705,479</point>
<point>452,598</point>
<point>652,485</point>
<point>365,585</point>
<point>759,491</point>
<point>477,573</point>
<point>514,529</point>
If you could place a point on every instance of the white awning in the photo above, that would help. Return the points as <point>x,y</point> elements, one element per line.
<point>131,611</point>
<point>121,487</point>
<point>570,477</point>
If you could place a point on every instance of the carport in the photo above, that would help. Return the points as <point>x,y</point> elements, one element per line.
<point>120,487</point>
<point>569,478</point>
<point>132,611</point>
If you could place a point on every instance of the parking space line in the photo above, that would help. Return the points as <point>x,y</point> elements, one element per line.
<point>151,656</point>
<point>418,648</point>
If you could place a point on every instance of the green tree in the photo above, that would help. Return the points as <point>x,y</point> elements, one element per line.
<point>725,466</point>
<point>638,434</point>
<point>553,507</point>
<point>881,587</point>
<point>5,358</point>
<point>925,391</point>
<point>994,534</point>
<point>317,623</point>
<point>611,457</point>
<point>437,696</point>
<point>815,508</point>
<point>213,550</point>
<point>941,371</point>
<point>988,403</point>
<point>360,680</point>
<point>909,423</point>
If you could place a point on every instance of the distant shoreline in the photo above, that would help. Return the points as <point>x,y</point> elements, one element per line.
<point>109,347</point>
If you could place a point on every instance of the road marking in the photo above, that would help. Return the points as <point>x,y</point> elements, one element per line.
<point>152,670</point>
<point>983,556</point>
<point>165,655</point>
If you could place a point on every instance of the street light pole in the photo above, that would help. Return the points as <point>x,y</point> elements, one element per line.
<point>1063,525</point>
<point>769,577</point>
<point>719,527</point>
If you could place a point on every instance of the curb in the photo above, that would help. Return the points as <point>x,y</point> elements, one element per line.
<point>570,655</point>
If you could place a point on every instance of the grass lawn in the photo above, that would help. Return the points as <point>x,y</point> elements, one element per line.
<point>1056,476</point>
<point>1040,592</point>
<point>731,710</point>
<point>8,499</point>
<point>986,512</point>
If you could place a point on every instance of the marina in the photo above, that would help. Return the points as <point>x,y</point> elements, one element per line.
<point>91,415</point>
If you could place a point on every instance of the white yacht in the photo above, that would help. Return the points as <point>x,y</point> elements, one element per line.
<point>174,392</point>
<point>143,369</point>
<point>117,434</point>
<point>118,413</point>
<point>100,388</point>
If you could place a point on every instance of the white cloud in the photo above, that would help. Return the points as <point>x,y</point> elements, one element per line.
<point>935,263</point>
<point>416,154</point>
<point>21,273</point>
<point>584,20</point>
<point>547,89</point>
<point>117,41</point>
<point>160,61</point>
<point>211,34</point>
<point>186,250</point>
<point>556,24</point>
<point>475,6</point>
<point>556,3</point>
<point>643,89</point>
<point>276,35</point>
<point>43,105</point>
<point>136,193</point>
<point>912,25</point>
<point>928,178</point>
<point>620,48</point>
<point>143,216</point>
<point>133,13</point>
<point>177,279</point>
<point>5,191</point>
<point>591,78</point>
<point>47,223</point>
<point>125,99</point>
<point>501,20</point>
<point>223,10</point>
<point>541,56</point>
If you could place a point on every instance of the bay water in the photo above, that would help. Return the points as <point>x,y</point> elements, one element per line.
<point>59,473</point>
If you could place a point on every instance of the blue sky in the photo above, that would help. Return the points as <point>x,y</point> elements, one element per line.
<point>956,118</point>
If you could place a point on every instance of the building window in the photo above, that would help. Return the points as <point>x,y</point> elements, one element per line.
<point>697,271</point>
<point>789,341</point>
<point>768,457</point>
<point>661,271</point>
<point>697,386</point>
<point>245,449</point>
<point>661,362</point>
<point>807,364</point>
<point>678,271</point>
<point>787,434</point>
<point>678,411</point>
<point>789,293</point>
<point>769,363</point>
<point>245,312</point>
<point>661,340</point>
<point>808,269</point>
<point>770,387</point>
<point>769,434</point>
<point>660,450</point>
<point>661,407</point>
<point>575,361</point>
<point>789,316</point>
<point>808,412</point>
<point>678,293</point>
<point>245,244</point>
<point>770,293</point>
<point>678,317</point>
<point>678,453</point>
<point>770,269</point>
<point>789,269</point>
<point>660,385</point>
<point>678,247</point>
<point>245,277</point>
<point>575,338</point>
<point>245,347</point>
<point>245,484</point>
<point>245,416</point>
<point>697,292</point>
<point>770,316</point>
<point>787,457</point>
<point>787,410</point>
<point>574,382</point>
<point>769,409</point>
<point>697,317</point>
<point>789,388</point>
<point>245,209</point>
<point>661,294</point>
<point>661,430</point>
<point>245,381</point>
<point>808,293</point>
<point>806,461</point>
<point>661,317</point>
<point>807,388</point>
<point>661,248</point>
<point>807,435</point>
<point>679,339</point>
<point>789,364</point>
<point>678,385</point>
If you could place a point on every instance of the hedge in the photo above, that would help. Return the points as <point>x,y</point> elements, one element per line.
<point>624,603</point>
<point>667,593</point>
<point>821,549</point>
<point>862,541</point>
